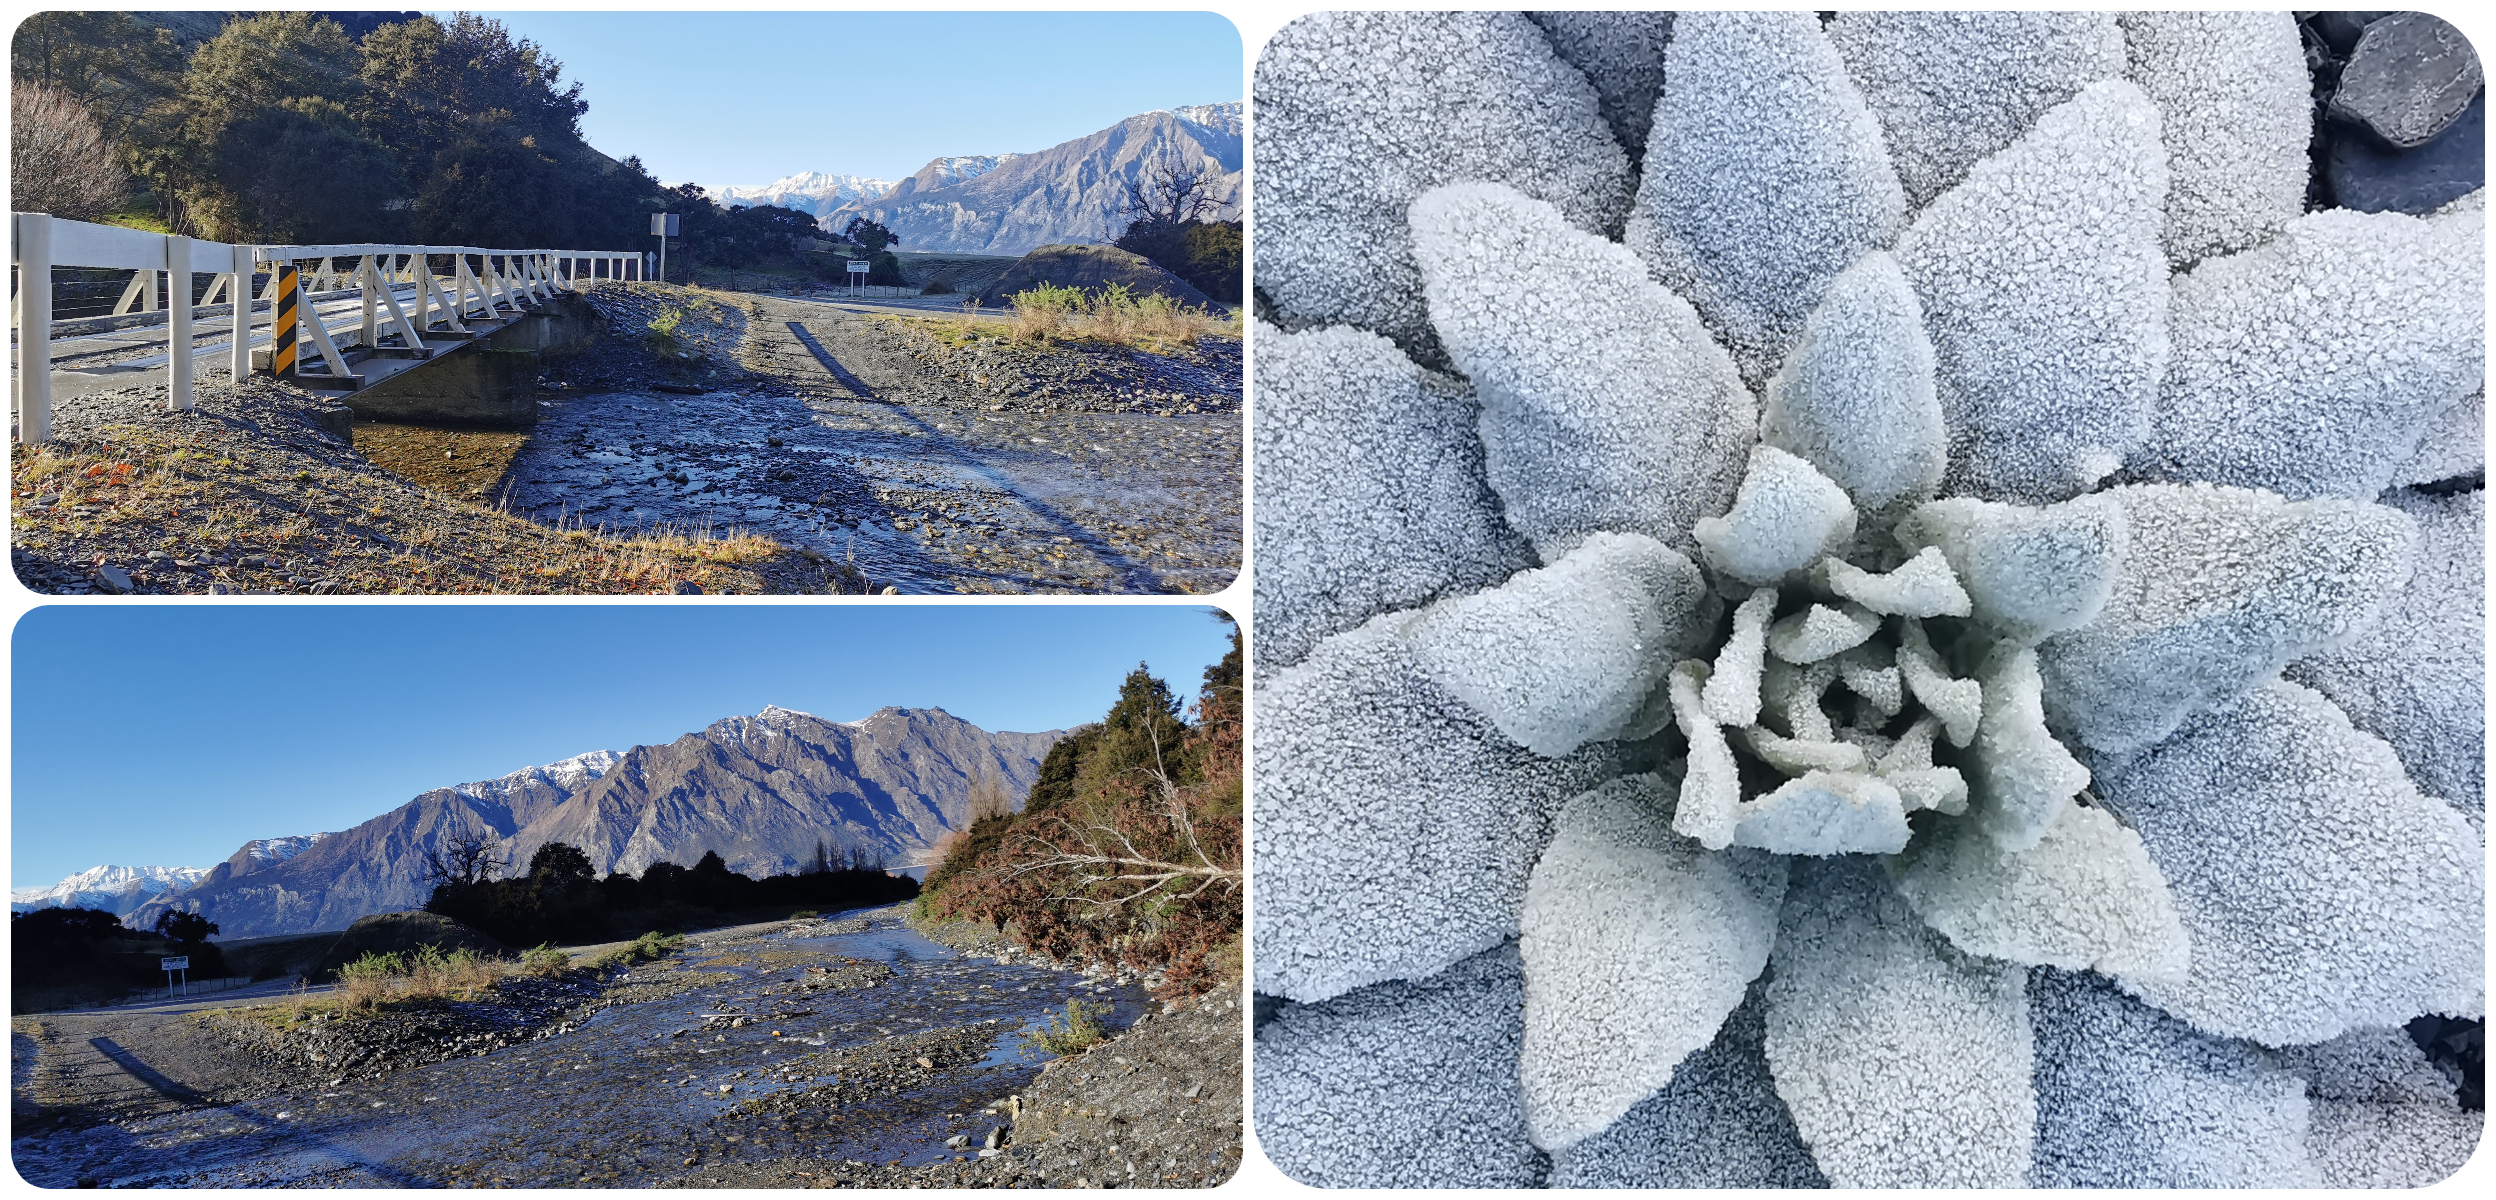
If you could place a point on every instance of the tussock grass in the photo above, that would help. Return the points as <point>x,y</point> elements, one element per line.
<point>1114,315</point>
<point>649,947</point>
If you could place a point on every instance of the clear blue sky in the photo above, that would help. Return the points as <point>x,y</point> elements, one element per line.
<point>749,97</point>
<point>170,735</point>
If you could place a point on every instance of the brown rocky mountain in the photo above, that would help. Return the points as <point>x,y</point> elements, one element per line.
<point>760,790</point>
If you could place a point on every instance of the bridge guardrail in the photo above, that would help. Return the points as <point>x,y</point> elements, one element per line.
<point>510,280</point>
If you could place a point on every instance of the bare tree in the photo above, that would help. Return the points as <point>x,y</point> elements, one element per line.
<point>989,797</point>
<point>464,858</point>
<point>59,160</point>
<point>1093,854</point>
<point>1167,190</point>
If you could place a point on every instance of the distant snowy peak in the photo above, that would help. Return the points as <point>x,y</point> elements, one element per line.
<point>281,848</point>
<point>814,192</point>
<point>1229,117</point>
<point>569,775</point>
<point>959,168</point>
<point>105,887</point>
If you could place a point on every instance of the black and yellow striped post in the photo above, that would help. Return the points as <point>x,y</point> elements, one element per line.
<point>282,333</point>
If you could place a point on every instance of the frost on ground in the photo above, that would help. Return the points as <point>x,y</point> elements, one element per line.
<point>1937,643</point>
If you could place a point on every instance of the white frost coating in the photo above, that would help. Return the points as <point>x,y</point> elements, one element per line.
<point>2418,679</point>
<point>2383,1116</point>
<point>2232,96</point>
<point>2128,1097</point>
<point>1718,1124</point>
<point>1636,945</point>
<point>1604,404</point>
<point>1960,703</point>
<point>1567,654</point>
<point>2084,898</point>
<point>1826,812</point>
<point>1952,87</point>
<point>1711,782</point>
<point>1871,671</point>
<point>1797,757</point>
<point>1622,54</point>
<point>1362,752</point>
<point>2219,588</point>
<point>1348,429</point>
<point>2024,778</point>
<point>1792,695</point>
<point>1360,112</point>
<point>1785,518</point>
<point>1821,632</point>
<point>1336,1101</point>
<point>2454,445</point>
<point>1766,177</point>
<point>1908,766</point>
<point>1922,586</point>
<point>1732,694</point>
<point>1904,1062</point>
<point>2321,891</point>
<point>1855,397</point>
<point>2314,364</point>
<point>2028,572</point>
<point>2045,290</point>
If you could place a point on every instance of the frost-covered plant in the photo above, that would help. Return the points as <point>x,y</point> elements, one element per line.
<point>1808,690</point>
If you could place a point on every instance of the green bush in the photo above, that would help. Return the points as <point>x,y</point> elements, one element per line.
<point>1071,1031</point>
<point>544,960</point>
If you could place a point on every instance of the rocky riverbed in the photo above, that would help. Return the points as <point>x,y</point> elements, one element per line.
<point>791,1053</point>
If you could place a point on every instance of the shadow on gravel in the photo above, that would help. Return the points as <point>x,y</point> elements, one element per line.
<point>143,1073</point>
<point>1139,577</point>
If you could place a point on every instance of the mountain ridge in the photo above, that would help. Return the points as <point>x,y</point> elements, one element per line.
<point>114,889</point>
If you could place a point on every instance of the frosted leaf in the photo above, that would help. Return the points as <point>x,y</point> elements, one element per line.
<point>2045,290</point>
<point>1826,812</point>
<point>1904,1062</point>
<point>2384,1117</point>
<point>2028,572</point>
<point>2085,897</point>
<point>1718,1124</point>
<point>1636,944</point>
<point>1567,654</point>
<point>1766,178</point>
<point>1855,397</point>
<point>1359,1091</point>
<point>1792,695</point>
<point>1821,632</point>
<point>1908,766</point>
<point>1356,753</point>
<point>1797,757</point>
<point>1711,782</point>
<point>2418,678</point>
<point>2024,779</point>
<point>1960,703</point>
<point>2315,363</point>
<point>2320,890</point>
<point>2234,110</point>
<point>1604,404</point>
<point>1923,586</point>
<point>1953,87</point>
<point>1622,54</point>
<point>1348,429</point>
<point>2128,1097</point>
<point>1732,694</point>
<point>1785,518</point>
<point>2453,446</point>
<point>1871,672</point>
<point>1358,113</point>
<point>2219,588</point>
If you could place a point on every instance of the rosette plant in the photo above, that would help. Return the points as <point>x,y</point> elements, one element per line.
<point>1870,603</point>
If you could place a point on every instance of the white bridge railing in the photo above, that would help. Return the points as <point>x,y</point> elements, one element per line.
<point>501,283</point>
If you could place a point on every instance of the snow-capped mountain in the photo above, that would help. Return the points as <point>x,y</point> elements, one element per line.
<point>117,890</point>
<point>567,776</point>
<point>815,192</point>
<point>269,850</point>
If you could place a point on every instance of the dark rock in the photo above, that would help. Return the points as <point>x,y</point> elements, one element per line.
<point>2341,30</point>
<point>2369,179</point>
<point>2408,80</point>
<point>114,579</point>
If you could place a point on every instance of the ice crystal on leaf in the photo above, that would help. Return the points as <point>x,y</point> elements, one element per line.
<point>1888,772</point>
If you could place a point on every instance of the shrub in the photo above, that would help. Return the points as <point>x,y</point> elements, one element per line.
<point>545,960</point>
<point>1071,1031</point>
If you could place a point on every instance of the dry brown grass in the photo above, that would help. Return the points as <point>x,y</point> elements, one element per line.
<point>1113,315</point>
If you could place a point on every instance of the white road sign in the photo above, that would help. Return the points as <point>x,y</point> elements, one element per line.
<point>175,964</point>
<point>856,267</point>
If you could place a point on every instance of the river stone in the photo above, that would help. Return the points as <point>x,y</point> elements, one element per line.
<point>2408,80</point>
<point>2368,178</point>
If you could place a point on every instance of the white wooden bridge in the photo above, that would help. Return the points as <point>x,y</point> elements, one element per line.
<point>342,317</point>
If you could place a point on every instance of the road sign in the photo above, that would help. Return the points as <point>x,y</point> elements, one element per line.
<point>856,267</point>
<point>175,964</point>
<point>665,225</point>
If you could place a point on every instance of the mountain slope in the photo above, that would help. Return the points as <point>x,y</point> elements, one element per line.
<point>1071,192</point>
<point>761,790</point>
<point>815,192</point>
<point>117,890</point>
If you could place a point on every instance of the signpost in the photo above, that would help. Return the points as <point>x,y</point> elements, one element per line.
<point>857,274</point>
<point>171,965</point>
<point>664,226</point>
